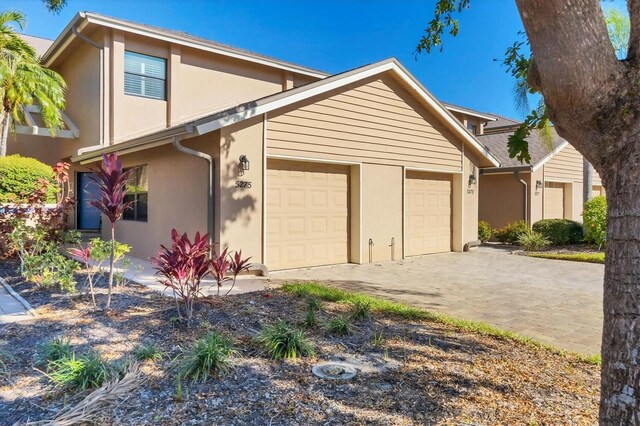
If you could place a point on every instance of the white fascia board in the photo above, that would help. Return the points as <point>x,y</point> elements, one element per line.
<point>147,32</point>
<point>471,113</point>
<point>549,156</point>
<point>40,131</point>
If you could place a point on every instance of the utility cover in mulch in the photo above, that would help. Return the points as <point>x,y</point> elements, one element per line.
<point>408,372</point>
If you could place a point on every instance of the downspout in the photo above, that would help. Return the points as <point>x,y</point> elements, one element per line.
<point>101,50</point>
<point>210,195</point>
<point>526,197</point>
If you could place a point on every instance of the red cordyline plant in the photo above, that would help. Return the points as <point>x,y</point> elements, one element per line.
<point>224,264</point>
<point>112,181</point>
<point>183,266</point>
<point>84,254</point>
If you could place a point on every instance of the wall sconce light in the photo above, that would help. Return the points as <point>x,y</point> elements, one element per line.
<point>472,180</point>
<point>244,163</point>
<point>538,184</point>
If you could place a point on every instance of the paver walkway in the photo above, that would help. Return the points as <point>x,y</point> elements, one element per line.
<point>556,302</point>
<point>12,309</point>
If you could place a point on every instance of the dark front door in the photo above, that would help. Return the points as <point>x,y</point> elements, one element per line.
<point>88,216</point>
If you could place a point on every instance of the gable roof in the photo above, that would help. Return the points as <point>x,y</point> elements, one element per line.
<point>538,148</point>
<point>38,43</point>
<point>468,111</point>
<point>82,19</point>
<point>266,104</point>
<point>501,122</point>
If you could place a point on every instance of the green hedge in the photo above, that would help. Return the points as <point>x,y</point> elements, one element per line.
<point>560,231</point>
<point>595,220</point>
<point>19,175</point>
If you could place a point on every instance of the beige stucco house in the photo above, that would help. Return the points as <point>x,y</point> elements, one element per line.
<point>306,168</point>
<point>551,187</point>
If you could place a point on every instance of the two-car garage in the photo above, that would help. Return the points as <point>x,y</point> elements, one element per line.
<point>308,213</point>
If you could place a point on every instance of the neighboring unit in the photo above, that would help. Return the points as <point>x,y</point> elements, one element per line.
<point>551,187</point>
<point>307,169</point>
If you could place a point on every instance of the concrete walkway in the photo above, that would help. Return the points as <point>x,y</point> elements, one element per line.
<point>141,271</point>
<point>556,302</point>
<point>13,308</point>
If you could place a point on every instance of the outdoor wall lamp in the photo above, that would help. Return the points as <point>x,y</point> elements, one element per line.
<point>472,180</point>
<point>538,184</point>
<point>244,163</point>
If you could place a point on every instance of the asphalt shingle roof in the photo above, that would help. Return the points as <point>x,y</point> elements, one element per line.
<point>538,147</point>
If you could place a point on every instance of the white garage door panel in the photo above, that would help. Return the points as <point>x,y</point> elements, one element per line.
<point>553,200</point>
<point>307,214</point>
<point>428,213</point>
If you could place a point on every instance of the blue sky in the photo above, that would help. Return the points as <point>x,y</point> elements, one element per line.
<point>334,35</point>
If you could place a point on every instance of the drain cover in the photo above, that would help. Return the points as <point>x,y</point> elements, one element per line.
<point>334,371</point>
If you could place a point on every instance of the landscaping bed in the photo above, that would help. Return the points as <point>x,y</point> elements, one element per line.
<point>576,253</point>
<point>411,370</point>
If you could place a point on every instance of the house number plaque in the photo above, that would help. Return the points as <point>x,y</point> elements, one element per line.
<point>243,184</point>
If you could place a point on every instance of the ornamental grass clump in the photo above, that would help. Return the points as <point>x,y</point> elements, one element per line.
<point>148,352</point>
<point>209,356</point>
<point>532,241</point>
<point>339,325</point>
<point>87,371</point>
<point>54,350</point>
<point>282,340</point>
<point>361,310</point>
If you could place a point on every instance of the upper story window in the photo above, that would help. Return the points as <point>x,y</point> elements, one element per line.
<point>137,191</point>
<point>145,75</point>
<point>472,128</point>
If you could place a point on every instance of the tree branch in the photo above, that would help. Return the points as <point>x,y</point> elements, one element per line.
<point>634,36</point>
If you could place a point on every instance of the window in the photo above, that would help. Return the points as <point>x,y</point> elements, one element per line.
<point>145,75</point>
<point>471,127</point>
<point>137,192</point>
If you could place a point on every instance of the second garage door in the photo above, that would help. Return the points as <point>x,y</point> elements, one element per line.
<point>553,200</point>
<point>428,213</point>
<point>307,214</point>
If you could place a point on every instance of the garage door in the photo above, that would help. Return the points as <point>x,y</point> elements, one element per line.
<point>428,213</point>
<point>553,200</point>
<point>307,214</point>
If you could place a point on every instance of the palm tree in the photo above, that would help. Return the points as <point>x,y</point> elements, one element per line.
<point>24,82</point>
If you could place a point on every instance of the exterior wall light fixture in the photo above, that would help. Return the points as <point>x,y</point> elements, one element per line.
<point>244,163</point>
<point>538,184</point>
<point>472,179</point>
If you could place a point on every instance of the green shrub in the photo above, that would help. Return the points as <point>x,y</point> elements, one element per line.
<point>282,340</point>
<point>339,325</point>
<point>484,231</point>
<point>54,350</point>
<point>532,241</point>
<point>510,233</point>
<point>19,176</point>
<point>79,372</point>
<point>361,309</point>
<point>560,231</point>
<point>50,268</point>
<point>209,356</point>
<point>595,220</point>
<point>314,304</point>
<point>148,352</point>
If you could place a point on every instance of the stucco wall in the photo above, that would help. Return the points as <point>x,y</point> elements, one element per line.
<point>177,196</point>
<point>471,194</point>
<point>536,196</point>
<point>382,213</point>
<point>501,199</point>
<point>238,209</point>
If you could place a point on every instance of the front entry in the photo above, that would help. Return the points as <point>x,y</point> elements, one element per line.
<point>88,216</point>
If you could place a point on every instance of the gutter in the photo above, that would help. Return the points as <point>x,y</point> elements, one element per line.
<point>100,48</point>
<point>506,170</point>
<point>210,195</point>
<point>526,196</point>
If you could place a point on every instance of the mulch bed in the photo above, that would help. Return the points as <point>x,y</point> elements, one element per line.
<point>421,373</point>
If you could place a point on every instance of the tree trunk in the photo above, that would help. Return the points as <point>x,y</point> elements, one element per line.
<point>587,180</point>
<point>620,403</point>
<point>111,257</point>
<point>5,120</point>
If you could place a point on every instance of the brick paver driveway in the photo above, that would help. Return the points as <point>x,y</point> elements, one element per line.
<point>556,302</point>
